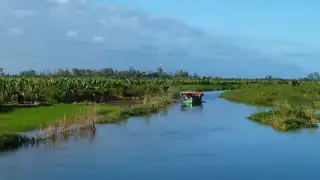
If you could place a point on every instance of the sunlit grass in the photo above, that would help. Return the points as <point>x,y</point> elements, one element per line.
<point>25,119</point>
<point>295,106</point>
<point>269,95</point>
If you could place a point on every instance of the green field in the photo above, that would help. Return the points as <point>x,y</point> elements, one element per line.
<point>25,119</point>
<point>61,92</point>
<point>271,95</point>
<point>151,98</point>
<point>295,106</point>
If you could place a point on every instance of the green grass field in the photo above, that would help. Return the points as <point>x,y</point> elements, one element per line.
<point>25,119</point>
<point>296,105</point>
<point>271,95</point>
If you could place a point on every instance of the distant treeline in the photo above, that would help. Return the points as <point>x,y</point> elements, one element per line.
<point>131,72</point>
<point>105,72</point>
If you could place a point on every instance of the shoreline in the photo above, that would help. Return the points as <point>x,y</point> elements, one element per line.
<point>91,114</point>
<point>292,107</point>
<point>14,140</point>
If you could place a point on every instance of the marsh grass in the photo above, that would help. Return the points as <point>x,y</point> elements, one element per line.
<point>12,141</point>
<point>288,117</point>
<point>293,106</point>
<point>52,121</point>
<point>84,119</point>
<point>149,105</point>
<point>69,119</point>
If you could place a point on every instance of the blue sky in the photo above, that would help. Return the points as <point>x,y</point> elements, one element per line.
<point>288,20</point>
<point>228,37</point>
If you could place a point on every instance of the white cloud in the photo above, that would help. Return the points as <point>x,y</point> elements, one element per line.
<point>72,33</point>
<point>23,13</point>
<point>16,31</point>
<point>62,1</point>
<point>98,39</point>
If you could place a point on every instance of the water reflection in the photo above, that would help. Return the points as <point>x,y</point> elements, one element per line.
<point>223,145</point>
<point>195,109</point>
<point>55,141</point>
<point>164,111</point>
<point>147,118</point>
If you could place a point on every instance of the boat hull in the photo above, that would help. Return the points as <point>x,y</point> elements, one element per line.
<point>191,98</point>
<point>191,102</point>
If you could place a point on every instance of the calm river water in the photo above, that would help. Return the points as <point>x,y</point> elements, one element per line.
<point>214,141</point>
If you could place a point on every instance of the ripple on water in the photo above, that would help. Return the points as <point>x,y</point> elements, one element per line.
<point>171,134</point>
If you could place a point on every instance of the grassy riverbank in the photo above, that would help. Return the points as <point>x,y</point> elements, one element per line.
<point>108,114</point>
<point>294,105</point>
<point>22,119</point>
<point>66,115</point>
<point>60,115</point>
<point>288,117</point>
<point>147,99</point>
<point>26,119</point>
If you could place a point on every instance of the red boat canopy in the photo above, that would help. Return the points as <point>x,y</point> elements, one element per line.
<point>192,92</point>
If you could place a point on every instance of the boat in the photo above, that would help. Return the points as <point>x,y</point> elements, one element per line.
<point>191,98</point>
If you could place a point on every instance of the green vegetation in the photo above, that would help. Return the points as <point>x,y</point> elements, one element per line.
<point>71,95</point>
<point>288,117</point>
<point>271,95</point>
<point>64,115</point>
<point>12,141</point>
<point>66,90</point>
<point>65,86</point>
<point>20,119</point>
<point>25,119</point>
<point>101,89</point>
<point>294,105</point>
<point>149,105</point>
<point>210,87</point>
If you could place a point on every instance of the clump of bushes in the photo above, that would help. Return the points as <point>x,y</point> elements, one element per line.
<point>12,141</point>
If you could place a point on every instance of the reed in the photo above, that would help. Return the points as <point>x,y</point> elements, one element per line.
<point>294,106</point>
<point>287,117</point>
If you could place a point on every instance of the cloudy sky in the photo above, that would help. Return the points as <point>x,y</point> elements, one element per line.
<point>221,37</point>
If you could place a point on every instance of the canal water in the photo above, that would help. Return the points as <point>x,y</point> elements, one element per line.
<point>214,141</point>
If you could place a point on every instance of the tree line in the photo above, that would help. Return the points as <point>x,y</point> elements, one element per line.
<point>131,72</point>
<point>105,72</point>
